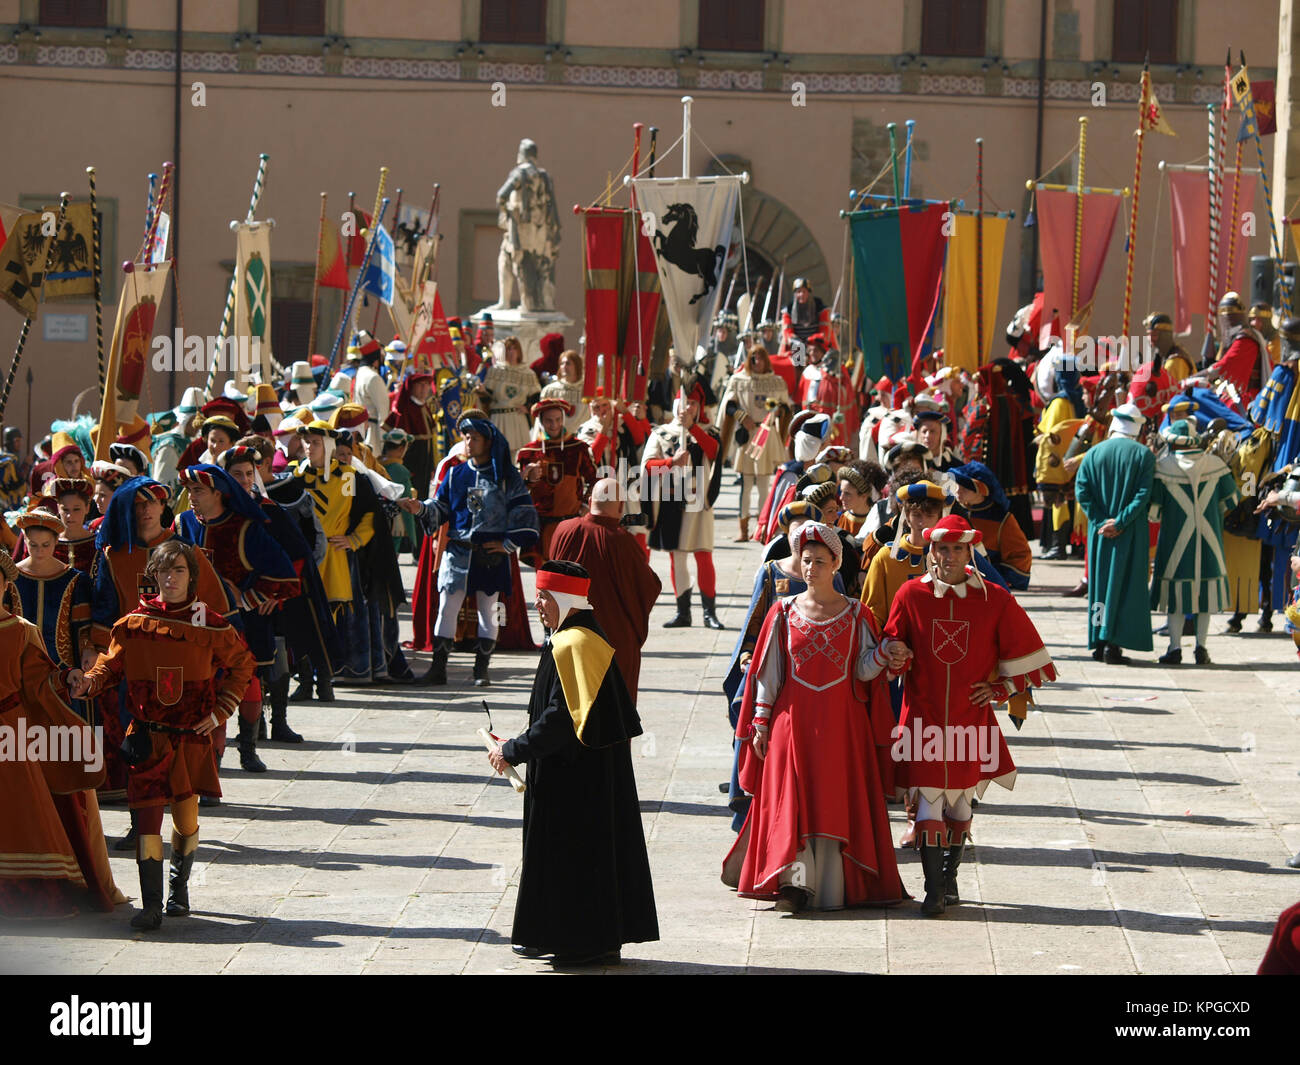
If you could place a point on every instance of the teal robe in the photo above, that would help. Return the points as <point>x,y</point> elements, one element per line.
<point>1193,491</point>
<point>1114,481</point>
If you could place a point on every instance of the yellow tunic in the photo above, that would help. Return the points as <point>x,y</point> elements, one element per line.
<point>333,501</point>
<point>888,573</point>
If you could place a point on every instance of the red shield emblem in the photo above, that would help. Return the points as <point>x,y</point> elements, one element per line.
<point>169,685</point>
<point>554,472</point>
<point>949,640</point>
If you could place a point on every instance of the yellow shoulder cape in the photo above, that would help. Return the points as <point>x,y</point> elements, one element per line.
<point>582,659</point>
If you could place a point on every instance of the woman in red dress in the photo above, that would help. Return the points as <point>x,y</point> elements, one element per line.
<point>817,835</point>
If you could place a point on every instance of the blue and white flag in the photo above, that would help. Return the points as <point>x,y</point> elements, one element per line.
<point>380,279</point>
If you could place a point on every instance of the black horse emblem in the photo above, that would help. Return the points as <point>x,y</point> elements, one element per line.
<point>678,247</point>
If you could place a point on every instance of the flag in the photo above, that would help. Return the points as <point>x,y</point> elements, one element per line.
<point>1258,115</point>
<point>602,240</point>
<point>128,356</point>
<point>1150,117</point>
<point>71,276</point>
<point>382,270</point>
<point>331,269</point>
<point>1189,205</point>
<point>1056,232</point>
<point>161,231</point>
<point>431,339</point>
<point>961,347</point>
<point>253,293</point>
<point>689,223</point>
<point>22,259</point>
<point>898,255</point>
<point>356,242</point>
<point>1263,95</point>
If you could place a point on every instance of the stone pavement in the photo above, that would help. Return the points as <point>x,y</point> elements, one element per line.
<point>1147,832</point>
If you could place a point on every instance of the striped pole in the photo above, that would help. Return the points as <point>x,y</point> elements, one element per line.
<point>148,213</point>
<point>1211,296</point>
<point>96,269</point>
<point>27,322</point>
<point>1232,217</point>
<point>227,316</point>
<point>1078,217</point>
<point>356,285</point>
<point>893,160</point>
<point>1137,193</point>
<point>1246,101</point>
<point>152,232</point>
<point>979,250</point>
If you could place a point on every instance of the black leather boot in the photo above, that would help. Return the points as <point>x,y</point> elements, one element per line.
<point>127,842</point>
<point>682,619</point>
<point>302,693</point>
<point>280,730</point>
<point>932,864</point>
<point>149,919</point>
<point>437,671</point>
<point>952,860</point>
<point>249,762</point>
<point>178,892</point>
<point>482,656</point>
<point>710,617</point>
<point>1057,539</point>
<point>324,688</point>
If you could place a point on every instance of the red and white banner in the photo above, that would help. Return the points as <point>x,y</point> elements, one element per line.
<point>1056,233</point>
<point>1189,205</point>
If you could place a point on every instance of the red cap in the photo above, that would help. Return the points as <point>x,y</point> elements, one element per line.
<point>562,582</point>
<point>953,530</point>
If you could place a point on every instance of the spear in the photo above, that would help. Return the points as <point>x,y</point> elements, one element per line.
<point>1211,296</point>
<point>1137,193</point>
<point>979,251</point>
<point>227,315</point>
<point>1078,218</point>
<point>315,288</point>
<point>96,250</point>
<point>27,322</point>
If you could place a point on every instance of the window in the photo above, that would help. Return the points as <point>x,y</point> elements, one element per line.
<point>85,13</point>
<point>513,21</point>
<point>731,25</point>
<point>290,328</point>
<point>1145,26</point>
<point>952,27</point>
<point>299,18</point>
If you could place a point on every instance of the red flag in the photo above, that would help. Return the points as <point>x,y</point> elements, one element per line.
<point>436,345</point>
<point>1265,94</point>
<point>331,270</point>
<point>1056,227</point>
<point>1189,204</point>
<point>356,242</point>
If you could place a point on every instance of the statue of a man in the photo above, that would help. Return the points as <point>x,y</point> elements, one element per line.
<point>531,241</point>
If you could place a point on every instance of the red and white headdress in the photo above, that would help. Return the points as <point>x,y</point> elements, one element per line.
<point>953,530</point>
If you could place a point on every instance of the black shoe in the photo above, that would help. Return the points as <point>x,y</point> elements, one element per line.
<point>1171,658</point>
<point>302,693</point>
<point>1234,623</point>
<point>280,730</point>
<point>682,619</point>
<point>178,893</point>
<point>792,900</point>
<point>527,952</point>
<point>1189,626</point>
<point>482,656</point>
<point>437,671</point>
<point>1113,656</point>
<point>249,762</point>
<point>1055,553</point>
<point>209,800</point>
<point>408,677</point>
<point>261,725</point>
<point>325,689</point>
<point>1099,652</point>
<point>952,860</point>
<point>1077,592</point>
<point>1202,657</point>
<point>149,919</point>
<point>709,610</point>
<point>127,842</point>
<point>1265,623</point>
<point>932,864</point>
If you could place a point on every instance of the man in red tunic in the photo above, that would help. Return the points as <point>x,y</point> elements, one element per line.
<point>623,586</point>
<point>973,646</point>
<point>1244,363</point>
<point>558,471</point>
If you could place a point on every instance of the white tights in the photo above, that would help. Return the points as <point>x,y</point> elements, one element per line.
<point>747,483</point>
<point>449,611</point>
<point>934,811</point>
<point>1176,630</point>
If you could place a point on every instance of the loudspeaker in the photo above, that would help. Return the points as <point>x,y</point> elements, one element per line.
<point>1261,281</point>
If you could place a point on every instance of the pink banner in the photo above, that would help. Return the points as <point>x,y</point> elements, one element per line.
<point>1056,228</point>
<point>1189,202</point>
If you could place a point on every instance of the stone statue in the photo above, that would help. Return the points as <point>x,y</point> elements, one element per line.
<point>526,213</point>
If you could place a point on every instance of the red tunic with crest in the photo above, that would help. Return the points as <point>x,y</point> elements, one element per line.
<point>181,662</point>
<point>960,635</point>
<point>820,777</point>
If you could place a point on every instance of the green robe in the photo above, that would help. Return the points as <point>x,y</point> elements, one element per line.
<point>1114,481</point>
<point>1193,491</point>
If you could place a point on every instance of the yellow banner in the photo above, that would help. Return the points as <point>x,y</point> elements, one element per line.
<point>130,356</point>
<point>960,347</point>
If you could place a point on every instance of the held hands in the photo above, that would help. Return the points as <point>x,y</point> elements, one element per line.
<point>78,684</point>
<point>898,654</point>
<point>496,760</point>
<point>411,506</point>
<point>1109,529</point>
<point>1270,500</point>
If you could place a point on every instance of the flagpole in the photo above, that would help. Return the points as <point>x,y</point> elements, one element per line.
<point>1143,104</point>
<point>227,315</point>
<point>96,269</point>
<point>1211,297</point>
<point>157,213</point>
<point>1078,218</point>
<point>356,285</point>
<point>893,160</point>
<point>979,251</point>
<point>397,207</point>
<point>907,158</point>
<point>27,322</point>
<point>686,136</point>
<point>148,212</point>
<point>1243,100</point>
<point>379,196</point>
<point>315,288</point>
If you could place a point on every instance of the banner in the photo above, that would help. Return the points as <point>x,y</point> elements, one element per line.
<point>961,347</point>
<point>380,274</point>
<point>22,259</point>
<point>602,241</point>
<point>1189,206</point>
<point>430,344</point>
<point>71,276</point>
<point>688,222</point>
<point>159,250</point>
<point>253,293</point>
<point>331,269</point>
<point>128,356</point>
<point>897,263</point>
<point>1056,228</point>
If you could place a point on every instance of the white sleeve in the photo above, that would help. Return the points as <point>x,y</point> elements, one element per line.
<point>871,659</point>
<point>771,672</point>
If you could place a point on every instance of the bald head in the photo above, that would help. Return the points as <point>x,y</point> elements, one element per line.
<point>606,500</point>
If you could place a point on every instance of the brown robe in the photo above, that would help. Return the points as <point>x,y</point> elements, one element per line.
<point>623,586</point>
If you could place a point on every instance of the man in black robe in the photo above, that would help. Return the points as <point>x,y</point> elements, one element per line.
<point>585,886</point>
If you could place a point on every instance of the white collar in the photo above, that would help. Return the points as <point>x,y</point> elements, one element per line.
<point>942,588</point>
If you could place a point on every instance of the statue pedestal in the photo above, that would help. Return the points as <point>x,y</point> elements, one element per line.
<point>527,326</point>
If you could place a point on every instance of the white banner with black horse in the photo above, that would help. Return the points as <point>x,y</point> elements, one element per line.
<point>689,222</point>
